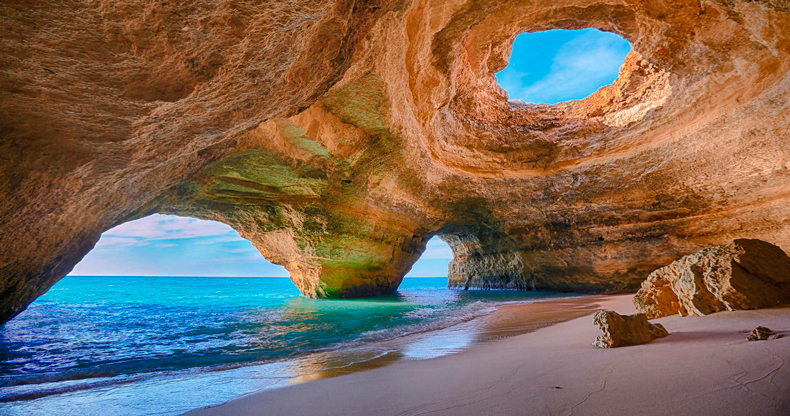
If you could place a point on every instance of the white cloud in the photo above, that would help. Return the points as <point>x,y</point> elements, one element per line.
<point>167,245</point>
<point>437,249</point>
<point>579,68</point>
<point>157,227</point>
<point>106,241</point>
<point>168,227</point>
<point>244,250</point>
<point>221,239</point>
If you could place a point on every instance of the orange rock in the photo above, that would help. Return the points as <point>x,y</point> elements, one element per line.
<point>338,137</point>
<point>622,330</point>
<point>745,274</point>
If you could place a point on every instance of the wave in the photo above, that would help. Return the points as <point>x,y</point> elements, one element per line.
<point>428,319</point>
<point>28,389</point>
<point>455,317</point>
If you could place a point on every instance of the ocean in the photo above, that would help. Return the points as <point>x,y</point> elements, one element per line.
<point>98,345</point>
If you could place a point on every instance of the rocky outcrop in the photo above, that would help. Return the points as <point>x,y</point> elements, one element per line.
<point>621,330</point>
<point>745,274</point>
<point>339,136</point>
<point>762,333</point>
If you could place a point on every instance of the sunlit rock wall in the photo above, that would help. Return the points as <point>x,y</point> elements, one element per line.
<point>339,137</point>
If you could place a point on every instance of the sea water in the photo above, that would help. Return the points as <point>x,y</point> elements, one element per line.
<point>165,345</point>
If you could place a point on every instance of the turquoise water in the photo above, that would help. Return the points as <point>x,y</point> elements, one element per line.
<point>165,345</point>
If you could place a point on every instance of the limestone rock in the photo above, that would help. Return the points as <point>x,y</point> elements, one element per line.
<point>762,333</point>
<point>621,330</point>
<point>339,136</point>
<point>745,274</point>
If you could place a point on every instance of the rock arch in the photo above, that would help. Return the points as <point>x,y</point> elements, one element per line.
<point>339,135</point>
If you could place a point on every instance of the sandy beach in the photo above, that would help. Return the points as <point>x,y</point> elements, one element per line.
<point>705,367</point>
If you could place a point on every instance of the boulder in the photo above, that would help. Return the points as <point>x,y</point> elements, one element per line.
<point>621,330</point>
<point>762,333</point>
<point>744,274</point>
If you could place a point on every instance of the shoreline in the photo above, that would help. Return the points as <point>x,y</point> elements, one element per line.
<point>705,366</point>
<point>475,323</point>
<point>507,320</point>
<point>511,319</point>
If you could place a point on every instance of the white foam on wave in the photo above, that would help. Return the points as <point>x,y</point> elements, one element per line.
<point>449,317</point>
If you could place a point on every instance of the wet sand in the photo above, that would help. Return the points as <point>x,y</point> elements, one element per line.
<point>507,321</point>
<point>705,367</point>
<point>518,319</point>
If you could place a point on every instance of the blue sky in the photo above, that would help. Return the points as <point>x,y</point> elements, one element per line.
<point>560,65</point>
<point>434,261</point>
<point>168,245</point>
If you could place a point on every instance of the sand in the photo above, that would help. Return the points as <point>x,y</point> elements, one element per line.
<point>704,367</point>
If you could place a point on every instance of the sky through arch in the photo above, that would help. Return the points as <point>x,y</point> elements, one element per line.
<point>560,65</point>
<point>170,245</point>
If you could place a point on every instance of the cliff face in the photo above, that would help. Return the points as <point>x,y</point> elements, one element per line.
<point>338,136</point>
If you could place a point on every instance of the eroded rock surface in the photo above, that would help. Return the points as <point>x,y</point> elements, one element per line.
<point>745,274</point>
<point>621,330</point>
<point>762,333</point>
<point>339,136</point>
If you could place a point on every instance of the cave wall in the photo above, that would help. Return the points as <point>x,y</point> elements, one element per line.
<point>106,105</point>
<point>339,136</point>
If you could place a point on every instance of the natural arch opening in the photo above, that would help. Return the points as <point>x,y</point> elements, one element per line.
<point>554,66</point>
<point>434,261</point>
<point>170,245</point>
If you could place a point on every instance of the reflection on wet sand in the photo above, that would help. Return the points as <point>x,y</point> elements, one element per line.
<point>511,320</point>
<point>507,321</point>
<point>341,364</point>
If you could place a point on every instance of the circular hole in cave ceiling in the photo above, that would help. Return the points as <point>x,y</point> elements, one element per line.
<point>553,66</point>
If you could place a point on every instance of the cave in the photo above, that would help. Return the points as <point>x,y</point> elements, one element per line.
<point>339,137</point>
